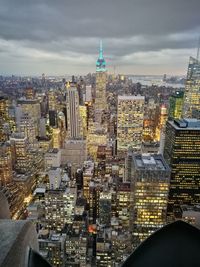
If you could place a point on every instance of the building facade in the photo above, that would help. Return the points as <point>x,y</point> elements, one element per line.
<point>73,123</point>
<point>182,152</point>
<point>192,89</point>
<point>150,176</point>
<point>130,115</point>
<point>176,105</point>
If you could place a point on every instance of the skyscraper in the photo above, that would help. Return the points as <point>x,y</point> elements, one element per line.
<point>130,115</point>
<point>105,208</point>
<point>5,164</point>
<point>32,108</point>
<point>27,126</point>
<point>176,105</point>
<point>192,89</point>
<point>73,123</point>
<point>20,145</point>
<point>53,118</point>
<point>59,207</point>
<point>150,176</point>
<point>101,76</point>
<point>161,122</point>
<point>3,117</point>
<point>182,152</point>
<point>56,137</point>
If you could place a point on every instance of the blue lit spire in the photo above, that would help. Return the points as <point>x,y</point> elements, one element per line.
<point>100,63</point>
<point>101,50</point>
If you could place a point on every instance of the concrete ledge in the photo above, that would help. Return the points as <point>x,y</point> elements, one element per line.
<point>15,239</point>
<point>4,207</point>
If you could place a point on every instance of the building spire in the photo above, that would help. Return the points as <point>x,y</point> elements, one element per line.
<point>101,50</point>
<point>100,63</point>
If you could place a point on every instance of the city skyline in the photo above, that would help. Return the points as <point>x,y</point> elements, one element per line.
<point>144,40</point>
<point>99,133</point>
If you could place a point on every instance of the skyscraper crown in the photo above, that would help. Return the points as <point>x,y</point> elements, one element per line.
<point>100,63</point>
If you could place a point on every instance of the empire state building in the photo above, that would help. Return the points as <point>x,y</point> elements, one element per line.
<point>101,76</point>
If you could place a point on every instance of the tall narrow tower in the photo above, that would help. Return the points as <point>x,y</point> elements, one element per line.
<point>191,105</point>
<point>73,112</point>
<point>100,100</point>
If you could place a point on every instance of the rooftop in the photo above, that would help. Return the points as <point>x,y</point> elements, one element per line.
<point>150,162</point>
<point>186,124</point>
<point>131,97</point>
<point>53,151</point>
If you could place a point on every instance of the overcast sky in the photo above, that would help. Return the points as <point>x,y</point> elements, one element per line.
<point>62,36</point>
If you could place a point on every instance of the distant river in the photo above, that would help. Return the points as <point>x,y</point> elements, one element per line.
<point>155,80</point>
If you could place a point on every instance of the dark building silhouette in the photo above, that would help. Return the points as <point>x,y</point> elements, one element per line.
<point>182,152</point>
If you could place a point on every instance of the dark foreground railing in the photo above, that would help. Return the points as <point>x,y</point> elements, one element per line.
<point>175,245</point>
<point>36,260</point>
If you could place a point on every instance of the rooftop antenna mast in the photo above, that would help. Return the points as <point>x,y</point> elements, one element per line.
<point>198,49</point>
<point>101,49</point>
<point>114,69</point>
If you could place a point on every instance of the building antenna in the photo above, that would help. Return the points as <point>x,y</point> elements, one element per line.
<point>198,49</point>
<point>114,69</point>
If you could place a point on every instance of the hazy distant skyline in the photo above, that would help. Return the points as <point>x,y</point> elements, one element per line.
<point>62,37</point>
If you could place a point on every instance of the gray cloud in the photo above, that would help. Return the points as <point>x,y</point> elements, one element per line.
<point>66,33</point>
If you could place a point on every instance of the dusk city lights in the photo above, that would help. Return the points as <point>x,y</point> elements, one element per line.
<point>99,133</point>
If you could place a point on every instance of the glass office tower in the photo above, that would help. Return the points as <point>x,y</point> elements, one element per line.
<point>192,89</point>
<point>182,152</point>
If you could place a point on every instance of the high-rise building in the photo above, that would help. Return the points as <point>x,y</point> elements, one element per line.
<point>56,137</point>
<point>95,137</point>
<point>53,118</point>
<point>52,247</point>
<point>74,153</point>
<point>103,253</point>
<point>83,121</point>
<point>3,107</point>
<point>130,117</point>
<point>30,107</point>
<point>123,204</point>
<point>62,127</point>
<point>150,120</point>
<point>150,177</point>
<point>105,208</point>
<point>54,175</point>
<point>59,207</point>
<point>176,105</point>
<point>182,152</point>
<point>94,194</point>
<point>160,129</point>
<point>101,77</point>
<point>192,89</point>
<point>53,158</point>
<point>6,175</point>
<point>73,123</point>
<point>42,128</point>
<point>20,147</point>
<point>76,250</point>
<point>28,128</point>
<point>88,175</point>
<point>88,93</point>
<point>51,100</point>
<point>3,117</point>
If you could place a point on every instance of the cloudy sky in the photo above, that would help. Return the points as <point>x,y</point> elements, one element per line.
<point>62,36</point>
